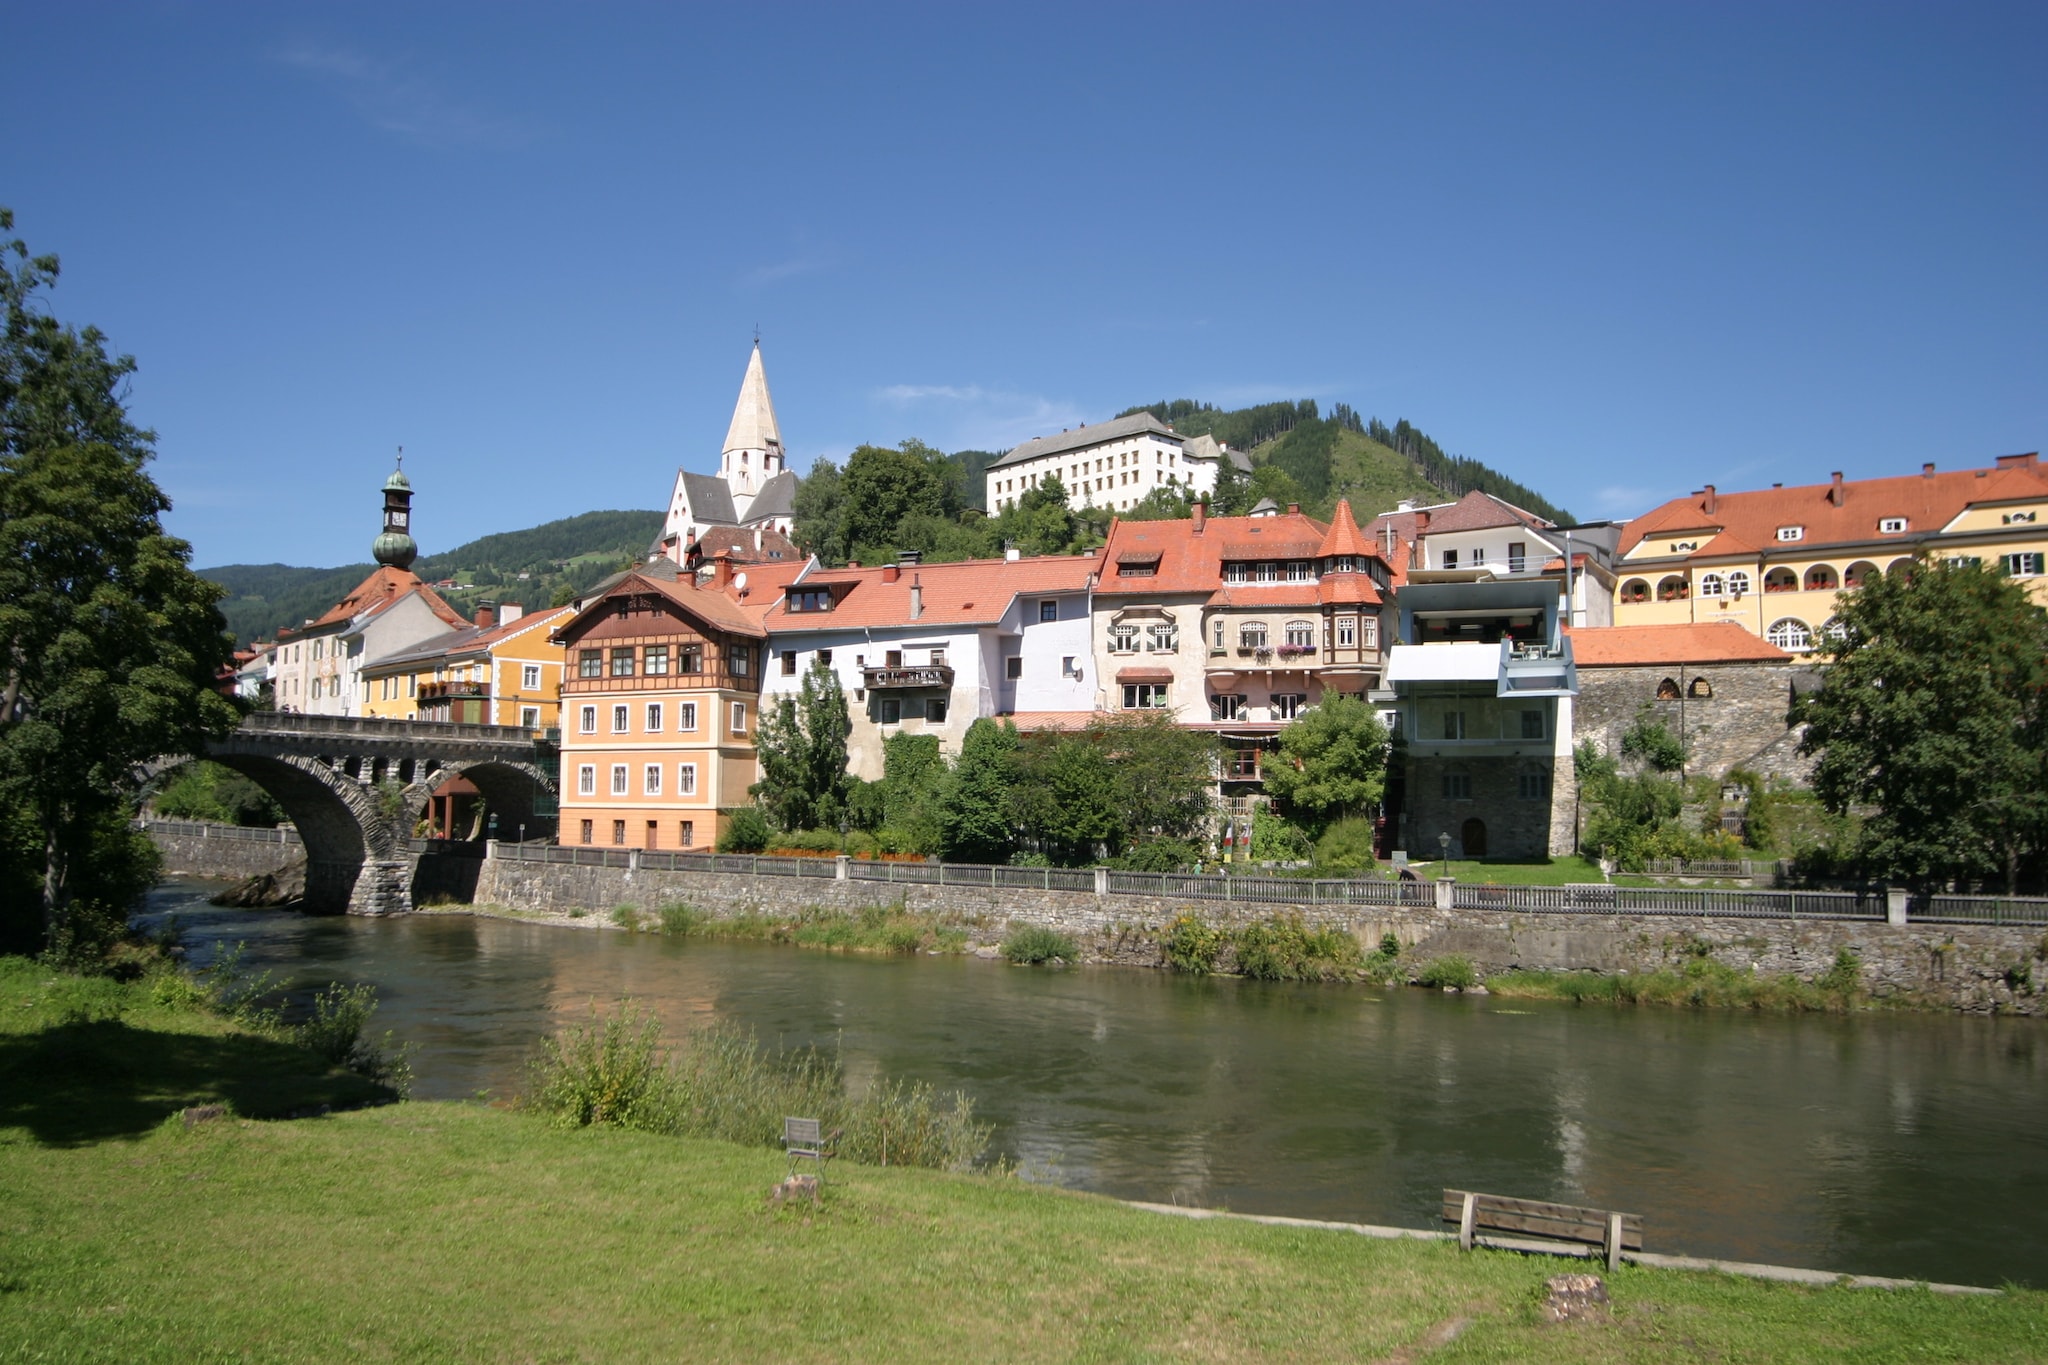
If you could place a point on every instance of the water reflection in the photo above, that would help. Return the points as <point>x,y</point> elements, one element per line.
<point>1883,1145</point>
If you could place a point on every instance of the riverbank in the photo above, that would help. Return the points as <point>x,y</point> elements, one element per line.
<point>456,1231</point>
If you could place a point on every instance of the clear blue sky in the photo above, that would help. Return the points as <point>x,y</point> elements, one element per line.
<point>1615,250</point>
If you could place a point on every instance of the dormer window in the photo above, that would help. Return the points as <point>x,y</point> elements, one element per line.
<point>810,599</point>
<point>2017,519</point>
<point>1891,526</point>
<point>1680,547</point>
<point>1791,533</point>
<point>1137,566</point>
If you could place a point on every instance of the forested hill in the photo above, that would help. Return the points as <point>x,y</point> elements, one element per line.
<point>535,568</point>
<point>1343,455</point>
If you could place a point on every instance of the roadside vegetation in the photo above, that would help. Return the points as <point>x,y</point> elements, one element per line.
<point>871,929</point>
<point>1698,982</point>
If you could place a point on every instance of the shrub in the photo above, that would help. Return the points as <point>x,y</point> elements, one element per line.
<point>1159,855</point>
<point>677,919</point>
<point>1845,976</point>
<point>1347,846</point>
<point>1384,962</point>
<point>1452,969</point>
<point>627,917</point>
<point>1192,946</point>
<point>1286,949</point>
<point>746,831</point>
<point>334,1033</point>
<point>1034,943</point>
<point>1275,839</point>
<point>605,1072</point>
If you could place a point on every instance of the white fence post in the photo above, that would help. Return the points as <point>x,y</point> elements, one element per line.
<point>1102,881</point>
<point>1443,892</point>
<point>1895,905</point>
<point>842,868</point>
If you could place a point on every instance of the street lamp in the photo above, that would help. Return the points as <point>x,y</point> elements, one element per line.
<point>1444,842</point>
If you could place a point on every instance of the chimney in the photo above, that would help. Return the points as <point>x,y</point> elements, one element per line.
<point>757,540</point>
<point>1927,470</point>
<point>1421,522</point>
<point>1293,509</point>
<point>1201,515</point>
<point>721,571</point>
<point>486,614</point>
<point>1836,493</point>
<point>508,612</point>
<point>1711,501</point>
<point>911,556</point>
<point>916,598</point>
<point>2017,461</point>
<point>1010,552</point>
<point>890,573</point>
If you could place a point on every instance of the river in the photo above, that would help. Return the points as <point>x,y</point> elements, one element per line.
<point>1909,1145</point>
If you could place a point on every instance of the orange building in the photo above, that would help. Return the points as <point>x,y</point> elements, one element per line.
<point>659,703</point>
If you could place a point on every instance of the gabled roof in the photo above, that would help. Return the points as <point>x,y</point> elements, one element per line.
<point>1084,436</point>
<point>475,640</point>
<point>1207,447</point>
<point>384,588</point>
<point>753,417</point>
<point>1745,522</point>
<point>710,606</point>
<point>745,544</point>
<point>1480,511</point>
<point>973,592</point>
<point>1190,562</point>
<point>777,498</point>
<point>710,499</point>
<point>1684,643</point>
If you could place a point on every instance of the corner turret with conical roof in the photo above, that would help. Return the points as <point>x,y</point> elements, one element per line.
<point>396,546</point>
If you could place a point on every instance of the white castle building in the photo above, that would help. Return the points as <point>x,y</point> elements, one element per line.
<point>753,488</point>
<point>1113,464</point>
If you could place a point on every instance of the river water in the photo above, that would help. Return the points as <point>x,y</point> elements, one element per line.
<point>1910,1145</point>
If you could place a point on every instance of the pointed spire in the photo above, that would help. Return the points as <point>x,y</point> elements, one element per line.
<point>1344,537</point>
<point>753,417</point>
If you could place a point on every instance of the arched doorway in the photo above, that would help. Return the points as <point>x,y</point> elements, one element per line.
<point>1473,835</point>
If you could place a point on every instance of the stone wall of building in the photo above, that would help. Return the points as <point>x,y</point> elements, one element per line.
<point>1515,826</point>
<point>1967,966</point>
<point>1740,724</point>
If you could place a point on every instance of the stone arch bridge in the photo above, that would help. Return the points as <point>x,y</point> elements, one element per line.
<point>355,789</point>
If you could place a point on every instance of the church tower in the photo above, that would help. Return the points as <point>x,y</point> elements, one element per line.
<point>395,546</point>
<point>753,487</point>
<point>753,443</point>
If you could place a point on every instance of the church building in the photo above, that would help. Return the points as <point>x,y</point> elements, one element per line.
<point>753,491</point>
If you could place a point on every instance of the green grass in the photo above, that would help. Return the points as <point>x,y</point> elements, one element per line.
<point>872,929</point>
<point>1546,872</point>
<point>1699,982</point>
<point>459,1232</point>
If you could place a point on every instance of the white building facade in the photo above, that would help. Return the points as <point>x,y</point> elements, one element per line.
<point>753,487</point>
<point>1114,464</point>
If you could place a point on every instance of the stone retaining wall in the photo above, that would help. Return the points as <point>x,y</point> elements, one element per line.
<point>1965,966</point>
<point>228,858</point>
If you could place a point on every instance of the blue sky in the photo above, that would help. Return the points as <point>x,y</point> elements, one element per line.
<point>1613,250</point>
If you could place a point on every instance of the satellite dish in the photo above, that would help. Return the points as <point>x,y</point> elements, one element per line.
<point>739,582</point>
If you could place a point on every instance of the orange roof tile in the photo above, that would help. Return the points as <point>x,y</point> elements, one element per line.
<point>1053,720</point>
<point>386,586</point>
<point>1684,643</point>
<point>963,592</point>
<point>1481,511</point>
<point>1344,537</point>
<point>1743,522</point>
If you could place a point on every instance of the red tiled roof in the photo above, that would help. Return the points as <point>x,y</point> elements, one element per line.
<point>1053,720</point>
<point>1188,562</point>
<point>709,605</point>
<point>1142,674</point>
<point>1344,537</point>
<point>376,594</point>
<point>1744,522</point>
<point>1479,511</point>
<point>965,592</point>
<point>1684,643</point>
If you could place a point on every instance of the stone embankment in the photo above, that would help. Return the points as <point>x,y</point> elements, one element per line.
<point>195,849</point>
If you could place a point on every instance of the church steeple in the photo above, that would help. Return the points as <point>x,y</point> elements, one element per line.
<point>396,546</point>
<point>753,443</point>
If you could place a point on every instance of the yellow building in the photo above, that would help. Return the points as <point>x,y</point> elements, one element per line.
<point>497,672</point>
<point>1776,561</point>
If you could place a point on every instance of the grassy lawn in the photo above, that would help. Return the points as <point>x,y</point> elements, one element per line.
<point>1548,872</point>
<point>457,1232</point>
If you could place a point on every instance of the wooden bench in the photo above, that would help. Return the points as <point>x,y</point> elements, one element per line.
<point>1537,1226</point>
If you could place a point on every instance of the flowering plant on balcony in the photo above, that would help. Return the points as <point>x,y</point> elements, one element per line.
<point>1296,651</point>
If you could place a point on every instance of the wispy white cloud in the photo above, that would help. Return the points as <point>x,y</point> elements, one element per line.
<point>393,99</point>
<point>974,416</point>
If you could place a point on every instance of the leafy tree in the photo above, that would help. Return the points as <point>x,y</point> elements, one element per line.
<point>1166,503</point>
<point>1933,714</point>
<point>819,505</point>
<point>801,745</point>
<point>1065,799</point>
<point>913,782</point>
<point>1040,522</point>
<point>1332,763</point>
<point>881,487</point>
<point>108,641</point>
<point>207,791</point>
<point>1120,783</point>
<point>1650,743</point>
<point>974,817</point>
<point>1163,775</point>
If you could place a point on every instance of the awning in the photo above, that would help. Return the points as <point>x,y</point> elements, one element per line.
<point>1135,675</point>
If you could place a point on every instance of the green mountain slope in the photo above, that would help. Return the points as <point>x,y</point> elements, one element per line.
<point>531,567</point>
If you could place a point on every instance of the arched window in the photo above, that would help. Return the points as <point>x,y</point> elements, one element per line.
<point>1738,582</point>
<point>1700,688</point>
<point>1790,634</point>
<point>1251,635</point>
<point>1820,578</point>
<point>1673,589</point>
<point>1831,631</point>
<point>1859,573</point>
<point>1710,586</point>
<point>1902,567</point>
<point>1635,590</point>
<point>1667,690</point>
<point>1781,579</point>
<point>1301,634</point>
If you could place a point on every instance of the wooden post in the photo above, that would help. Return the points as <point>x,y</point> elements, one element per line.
<point>1613,1241</point>
<point>1465,1220</point>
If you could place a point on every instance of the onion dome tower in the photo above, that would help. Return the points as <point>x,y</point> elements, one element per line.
<point>396,546</point>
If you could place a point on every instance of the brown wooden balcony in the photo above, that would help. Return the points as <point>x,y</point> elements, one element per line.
<point>892,679</point>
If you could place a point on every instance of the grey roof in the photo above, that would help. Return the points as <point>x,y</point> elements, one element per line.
<point>777,498</point>
<point>1081,437</point>
<point>710,499</point>
<point>1265,507</point>
<point>1207,447</point>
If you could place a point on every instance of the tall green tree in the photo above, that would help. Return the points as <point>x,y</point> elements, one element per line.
<point>1933,713</point>
<point>881,487</point>
<point>820,508</point>
<point>975,815</point>
<point>801,747</point>
<point>1332,763</point>
<point>109,643</point>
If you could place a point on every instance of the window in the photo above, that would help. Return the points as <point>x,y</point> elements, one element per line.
<point>619,832</point>
<point>586,831</point>
<point>1049,610</point>
<point>739,717</point>
<point>529,718</point>
<point>1676,589</point>
<point>690,659</point>
<point>1226,706</point>
<point>1790,634</point>
<point>686,716</point>
<point>1301,634</point>
<point>1347,631</point>
<point>1789,533</point>
<point>654,718</point>
<point>1891,526</point>
<point>686,779</point>
<point>650,780</point>
<point>529,678</point>
<point>689,838</point>
<point>1288,705</point>
<point>1962,561</point>
<point>1372,631</point>
<point>1820,578</point>
<point>2026,565</point>
<point>621,719</point>
<point>622,662</point>
<point>1454,725</point>
<point>1738,583</point>
<point>1068,668</point>
<point>654,661</point>
<point>2017,519</point>
<point>1162,637</point>
<point>1298,572</point>
<point>1237,572</point>
<point>889,711</point>
<point>1267,573</point>
<point>587,722</point>
<point>1781,579</point>
<point>618,779</point>
<point>1530,786</point>
<point>1702,690</point>
<point>811,599</point>
<point>825,657</point>
<point>1013,667</point>
<point>1711,586</point>
<point>935,711</point>
<point>1457,786</point>
<point>586,782</point>
<point>740,660</point>
<point>1216,634</point>
<point>1635,590</point>
<point>1251,635</point>
<point>1532,725</point>
<point>316,689</point>
<point>788,663</point>
<point>1518,555</point>
<point>1144,696</point>
<point>1857,574</point>
<point>1123,639</point>
<point>1450,559</point>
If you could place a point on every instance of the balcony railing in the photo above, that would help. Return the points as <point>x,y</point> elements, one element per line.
<point>441,691</point>
<point>888,679</point>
